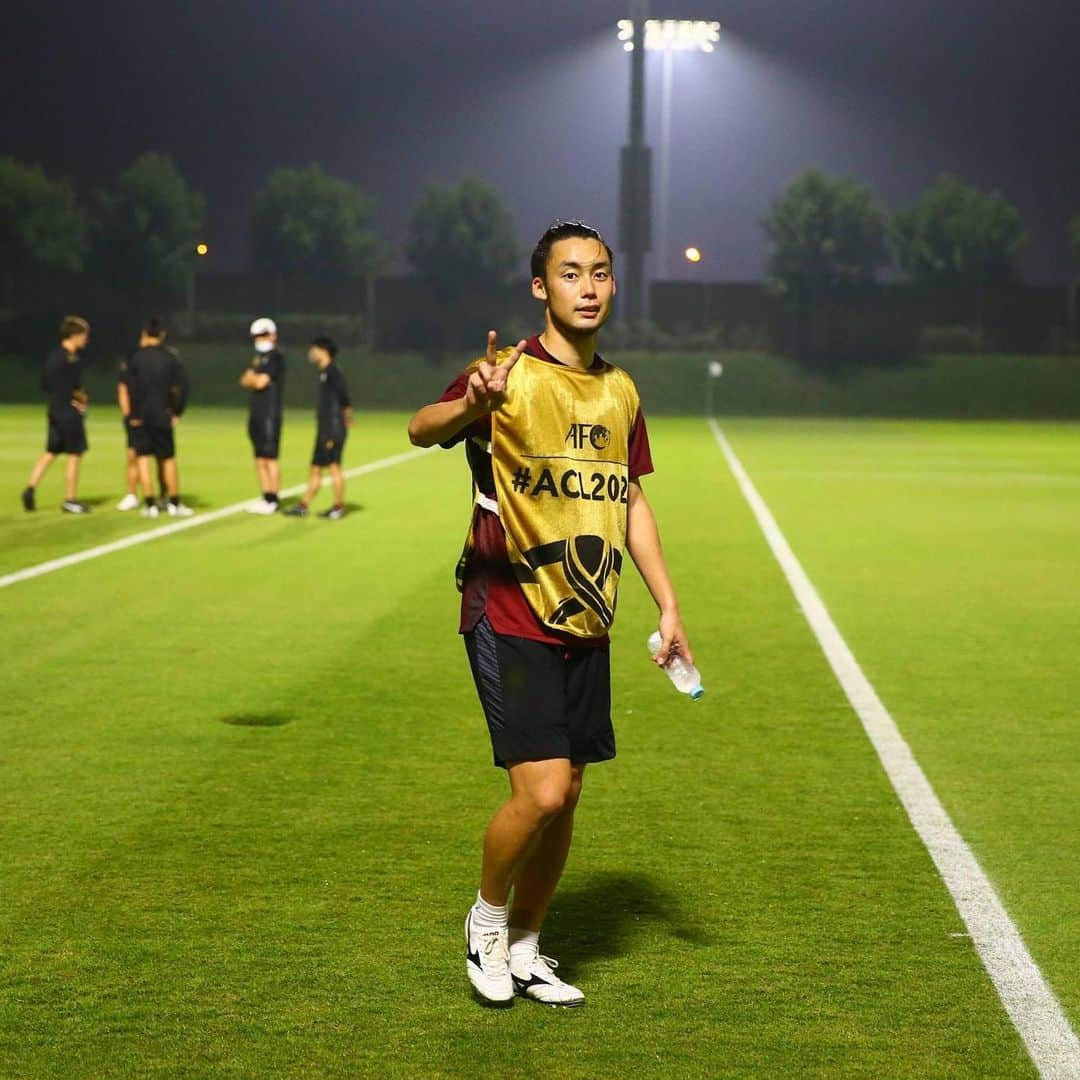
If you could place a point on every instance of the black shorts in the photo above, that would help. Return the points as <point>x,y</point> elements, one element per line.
<point>67,434</point>
<point>329,446</point>
<point>542,701</point>
<point>149,440</point>
<point>129,441</point>
<point>265,435</point>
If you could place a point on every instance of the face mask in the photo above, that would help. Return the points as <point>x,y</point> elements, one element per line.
<point>264,346</point>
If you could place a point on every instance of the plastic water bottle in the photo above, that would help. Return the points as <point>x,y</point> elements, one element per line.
<point>679,670</point>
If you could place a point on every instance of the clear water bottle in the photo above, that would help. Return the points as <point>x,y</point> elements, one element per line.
<point>679,670</point>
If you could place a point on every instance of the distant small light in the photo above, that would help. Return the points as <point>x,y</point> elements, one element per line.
<point>202,249</point>
<point>716,369</point>
<point>693,254</point>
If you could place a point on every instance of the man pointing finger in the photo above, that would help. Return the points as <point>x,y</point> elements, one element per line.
<point>556,442</point>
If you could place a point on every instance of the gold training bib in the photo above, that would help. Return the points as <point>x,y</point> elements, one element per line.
<point>560,444</point>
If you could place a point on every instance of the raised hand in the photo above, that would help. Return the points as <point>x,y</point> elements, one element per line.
<point>486,388</point>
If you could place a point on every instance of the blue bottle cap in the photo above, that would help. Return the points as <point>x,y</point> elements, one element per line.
<point>697,692</point>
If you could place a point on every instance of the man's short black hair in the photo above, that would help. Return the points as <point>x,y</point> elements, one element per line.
<point>327,343</point>
<point>72,325</point>
<point>155,327</point>
<point>563,230</point>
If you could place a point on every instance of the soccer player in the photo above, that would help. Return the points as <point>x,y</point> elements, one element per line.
<point>130,501</point>
<point>265,378</point>
<point>556,442</point>
<point>158,392</point>
<point>335,417</point>
<point>62,382</point>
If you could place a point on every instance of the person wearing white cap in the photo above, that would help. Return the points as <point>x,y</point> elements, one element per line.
<point>265,378</point>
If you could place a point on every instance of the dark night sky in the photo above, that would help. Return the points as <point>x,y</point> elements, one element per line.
<point>534,97</point>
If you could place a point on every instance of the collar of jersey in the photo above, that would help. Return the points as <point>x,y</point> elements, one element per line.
<point>534,347</point>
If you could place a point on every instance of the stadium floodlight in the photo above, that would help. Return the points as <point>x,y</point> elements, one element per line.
<point>693,254</point>
<point>668,36</point>
<point>202,249</point>
<point>675,35</point>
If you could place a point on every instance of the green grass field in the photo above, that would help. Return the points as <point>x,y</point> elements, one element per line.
<point>243,774</point>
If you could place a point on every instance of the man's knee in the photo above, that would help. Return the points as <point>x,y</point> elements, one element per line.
<point>550,798</point>
<point>545,792</point>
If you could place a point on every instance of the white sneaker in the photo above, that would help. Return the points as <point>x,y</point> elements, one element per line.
<point>487,962</point>
<point>534,977</point>
<point>150,512</point>
<point>180,510</point>
<point>261,506</point>
<point>128,502</point>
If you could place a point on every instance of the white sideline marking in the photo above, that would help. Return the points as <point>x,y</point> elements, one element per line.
<point>1029,1001</point>
<point>187,523</point>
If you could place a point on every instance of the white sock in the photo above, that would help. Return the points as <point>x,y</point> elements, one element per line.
<point>524,944</point>
<point>488,916</point>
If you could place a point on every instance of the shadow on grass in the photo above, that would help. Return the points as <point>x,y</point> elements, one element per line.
<point>319,507</point>
<point>195,501</point>
<point>110,501</point>
<point>256,719</point>
<point>603,916</point>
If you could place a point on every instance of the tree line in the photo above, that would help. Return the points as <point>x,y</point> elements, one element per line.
<point>831,233</point>
<point>140,234</point>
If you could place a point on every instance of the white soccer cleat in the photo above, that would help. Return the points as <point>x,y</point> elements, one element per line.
<point>261,506</point>
<point>535,978</point>
<point>128,502</point>
<point>180,510</point>
<point>487,963</point>
<point>150,512</point>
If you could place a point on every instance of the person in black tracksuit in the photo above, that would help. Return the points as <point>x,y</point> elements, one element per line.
<point>131,501</point>
<point>62,382</point>
<point>335,417</point>
<point>265,378</point>
<point>158,392</point>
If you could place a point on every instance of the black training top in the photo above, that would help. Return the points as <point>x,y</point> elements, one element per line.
<point>61,377</point>
<point>158,385</point>
<point>333,398</point>
<point>268,402</point>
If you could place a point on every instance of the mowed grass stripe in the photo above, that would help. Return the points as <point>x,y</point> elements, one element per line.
<point>283,893</point>
<point>216,471</point>
<point>959,601</point>
<point>164,530</point>
<point>1029,1000</point>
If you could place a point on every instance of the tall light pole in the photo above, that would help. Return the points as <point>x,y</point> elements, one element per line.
<point>635,175</point>
<point>201,251</point>
<point>667,36</point>
<point>693,257</point>
<point>663,195</point>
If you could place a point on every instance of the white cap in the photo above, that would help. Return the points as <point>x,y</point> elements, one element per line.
<point>262,326</point>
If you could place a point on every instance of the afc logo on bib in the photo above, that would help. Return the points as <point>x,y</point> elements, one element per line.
<point>582,436</point>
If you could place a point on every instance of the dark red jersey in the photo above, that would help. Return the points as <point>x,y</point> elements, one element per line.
<point>489,586</point>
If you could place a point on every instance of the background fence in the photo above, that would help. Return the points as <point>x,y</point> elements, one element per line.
<point>891,318</point>
<point>962,386</point>
<point>893,350</point>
